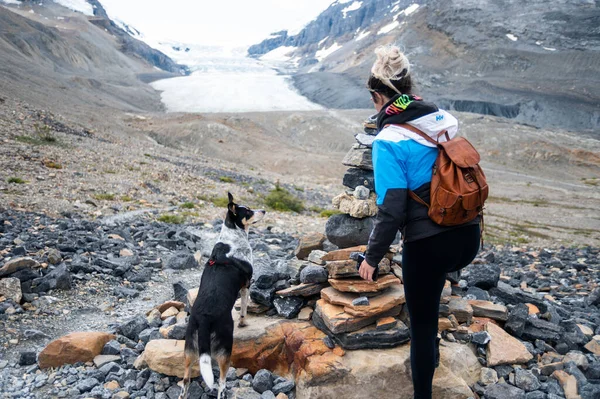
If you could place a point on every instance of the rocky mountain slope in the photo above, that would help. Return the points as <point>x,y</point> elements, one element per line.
<point>50,52</point>
<point>475,56</point>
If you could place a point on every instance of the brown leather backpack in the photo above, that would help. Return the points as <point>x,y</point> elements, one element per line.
<point>458,185</point>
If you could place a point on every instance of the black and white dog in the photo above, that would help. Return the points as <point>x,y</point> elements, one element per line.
<point>227,273</point>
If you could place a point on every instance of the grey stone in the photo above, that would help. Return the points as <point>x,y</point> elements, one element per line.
<point>484,276</point>
<point>57,279</point>
<point>481,338</point>
<point>267,395</point>
<point>535,395</point>
<point>87,385</point>
<point>132,328</point>
<point>283,387</point>
<point>361,193</point>
<point>27,358</point>
<point>526,380</point>
<point>359,177</point>
<point>112,347</point>
<point>263,381</point>
<point>178,331</point>
<point>361,301</point>
<point>346,231</point>
<point>181,261</point>
<point>54,256</point>
<point>262,296</point>
<point>504,391</point>
<point>314,274</point>
<point>288,307</point>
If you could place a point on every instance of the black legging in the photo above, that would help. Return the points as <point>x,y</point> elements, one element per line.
<point>425,263</point>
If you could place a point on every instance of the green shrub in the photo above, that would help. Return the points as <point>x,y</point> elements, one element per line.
<point>126,198</point>
<point>16,180</point>
<point>226,179</point>
<point>187,205</point>
<point>327,213</point>
<point>44,133</point>
<point>221,202</point>
<point>280,199</point>
<point>299,189</point>
<point>171,218</point>
<point>52,165</point>
<point>104,197</point>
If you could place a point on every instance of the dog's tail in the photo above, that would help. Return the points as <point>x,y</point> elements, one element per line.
<point>197,342</point>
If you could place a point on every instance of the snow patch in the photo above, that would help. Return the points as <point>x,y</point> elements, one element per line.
<point>322,54</point>
<point>322,41</point>
<point>81,6</point>
<point>279,54</point>
<point>410,9</point>
<point>396,8</point>
<point>388,28</point>
<point>512,37</point>
<point>549,48</point>
<point>11,1</point>
<point>341,2</point>
<point>362,36</point>
<point>352,7</point>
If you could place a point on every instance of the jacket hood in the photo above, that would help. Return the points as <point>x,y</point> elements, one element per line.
<point>425,116</point>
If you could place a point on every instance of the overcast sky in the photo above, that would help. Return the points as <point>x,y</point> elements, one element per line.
<point>217,22</point>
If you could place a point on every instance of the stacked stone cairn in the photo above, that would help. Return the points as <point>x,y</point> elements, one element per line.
<point>358,203</point>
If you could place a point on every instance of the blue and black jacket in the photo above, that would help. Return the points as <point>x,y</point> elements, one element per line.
<point>402,161</point>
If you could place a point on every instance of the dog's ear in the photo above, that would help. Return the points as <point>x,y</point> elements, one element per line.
<point>230,198</point>
<point>231,205</point>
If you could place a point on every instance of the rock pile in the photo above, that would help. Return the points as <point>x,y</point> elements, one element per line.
<point>358,203</point>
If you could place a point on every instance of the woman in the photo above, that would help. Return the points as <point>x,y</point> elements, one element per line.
<point>403,161</point>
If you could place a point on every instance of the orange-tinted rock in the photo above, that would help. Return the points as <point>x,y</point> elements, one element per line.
<point>343,254</point>
<point>359,285</point>
<point>532,308</point>
<point>388,299</point>
<point>166,356</point>
<point>338,321</point>
<point>171,304</point>
<point>170,312</point>
<point>444,324</point>
<point>309,243</point>
<point>386,323</point>
<point>347,268</point>
<point>568,384</point>
<point>478,324</point>
<point>73,348</point>
<point>505,349</point>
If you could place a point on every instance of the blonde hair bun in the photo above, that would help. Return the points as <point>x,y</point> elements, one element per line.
<point>390,65</point>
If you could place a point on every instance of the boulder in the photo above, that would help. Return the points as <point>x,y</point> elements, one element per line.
<point>358,285</point>
<point>347,268</point>
<point>388,299</point>
<point>489,310</point>
<point>461,309</point>
<point>302,290</point>
<point>133,327</point>
<point>504,349</point>
<point>288,307</point>
<point>338,321</point>
<point>355,177</point>
<point>354,207</point>
<point>73,348</point>
<point>166,356</point>
<point>346,231</point>
<point>383,373</point>
<point>309,243</point>
<point>10,288</point>
<point>17,264</point>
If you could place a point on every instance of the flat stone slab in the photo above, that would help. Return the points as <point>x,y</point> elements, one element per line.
<point>338,321</point>
<point>359,285</point>
<point>359,157</point>
<point>343,254</point>
<point>388,299</point>
<point>302,290</point>
<point>369,337</point>
<point>489,310</point>
<point>347,268</point>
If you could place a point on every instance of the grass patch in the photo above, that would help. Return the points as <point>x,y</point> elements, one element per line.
<point>190,214</point>
<point>280,199</point>
<point>220,202</point>
<point>226,179</point>
<point>148,155</point>
<point>535,202</point>
<point>126,198</point>
<point>52,165</point>
<point>327,213</point>
<point>111,172</point>
<point>299,189</point>
<point>104,197</point>
<point>187,205</point>
<point>16,180</point>
<point>591,182</point>
<point>171,218</point>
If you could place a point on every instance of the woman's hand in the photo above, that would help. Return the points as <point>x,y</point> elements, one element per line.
<point>366,271</point>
